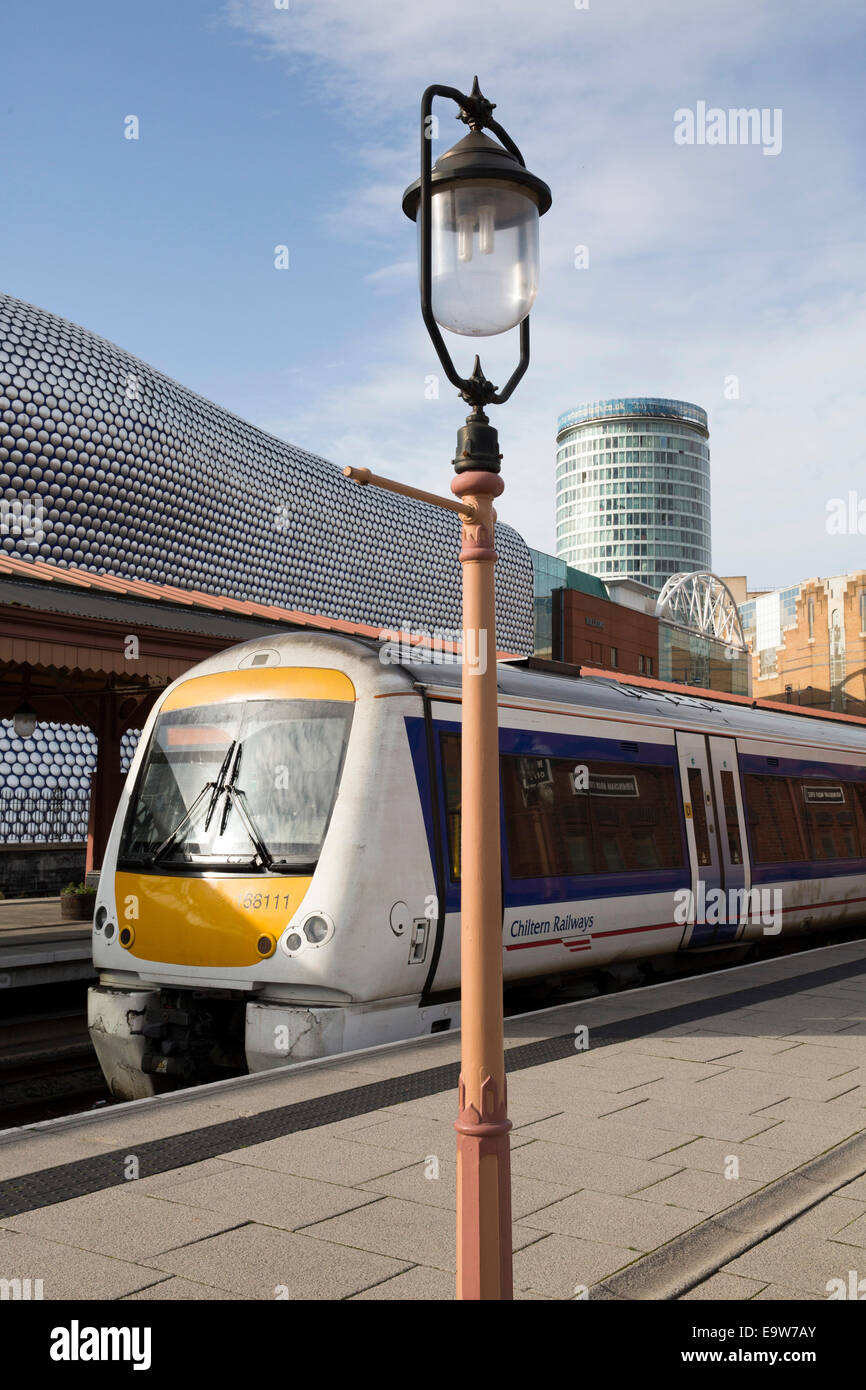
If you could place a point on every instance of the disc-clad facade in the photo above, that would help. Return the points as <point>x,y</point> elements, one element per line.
<point>633,488</point>
<point>108,465</point>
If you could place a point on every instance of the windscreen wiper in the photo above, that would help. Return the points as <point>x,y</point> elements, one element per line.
<point>236,797</point>
<point>240,800</point>
<point>218,784</point>
<point>214,789</point>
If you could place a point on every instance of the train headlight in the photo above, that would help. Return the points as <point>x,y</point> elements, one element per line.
<point>109,931</point>
<point>316,930</point>
<point>101,918</point>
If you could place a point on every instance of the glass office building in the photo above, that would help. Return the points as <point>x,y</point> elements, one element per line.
<point>548,575</point>
<point>633,489</point>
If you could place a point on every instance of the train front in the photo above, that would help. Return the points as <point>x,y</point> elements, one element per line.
<point>204,895</point>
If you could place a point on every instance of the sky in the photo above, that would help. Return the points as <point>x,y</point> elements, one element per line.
<point>716,273</point>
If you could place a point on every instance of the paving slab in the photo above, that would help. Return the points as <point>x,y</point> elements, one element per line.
<point>793,1258</point>
<point>624,1221</point>
<point>697,1119</point>
<point>170,1289</point>
<point>261,1262</point>
<point>316,1153</point>
<point>852,1232</point>
<point>272,1199</point>
<point>855,1189</point>
<point>615,1136</point>
<point>699,1191</point>
<point>588,1168</point>
<point>559,1266</point>
<point>837,1112</point>
<point>435,1185</point>
<point>754,1164</point>
<point>732,1090</point>
<point>420,1283</point>
<point>67,1271</point>
<point>120,1222</point>
<point>778,1293</point>
<point>816,1137</point>
<point>406,1231</point>
<point>724,1287</point>
<point>833,1218</point>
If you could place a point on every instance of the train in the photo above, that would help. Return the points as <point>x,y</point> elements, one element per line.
<point>282,878</point>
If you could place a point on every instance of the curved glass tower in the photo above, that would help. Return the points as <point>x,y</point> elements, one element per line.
<point>633,488</point>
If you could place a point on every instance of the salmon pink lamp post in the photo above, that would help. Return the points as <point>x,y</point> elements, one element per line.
<point>477,211</point>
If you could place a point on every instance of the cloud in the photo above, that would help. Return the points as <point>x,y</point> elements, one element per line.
<point>392,277</point>
<point>704,263</point>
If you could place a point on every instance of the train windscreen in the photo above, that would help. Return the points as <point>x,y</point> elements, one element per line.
<point>241,785</point>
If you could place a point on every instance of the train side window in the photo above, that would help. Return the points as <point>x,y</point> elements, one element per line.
<point>450,749</point>
<point>858,803</point>
<point>699,815</point>
<point>829,819</point>
<point>773,820</point>
<point>541,843</point>
<point>620,818</point>
<point>732,820</point>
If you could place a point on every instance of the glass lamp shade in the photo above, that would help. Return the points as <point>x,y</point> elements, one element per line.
<point>484,244</point>
<point>24,721</point>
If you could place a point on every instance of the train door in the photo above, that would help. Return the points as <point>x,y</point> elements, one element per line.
<point>730,820</point>
<point>703,841</point>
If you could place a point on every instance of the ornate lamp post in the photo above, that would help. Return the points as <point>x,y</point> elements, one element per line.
<point>477,210</point>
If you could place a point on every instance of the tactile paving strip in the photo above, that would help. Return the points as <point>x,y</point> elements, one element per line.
<point>29,1191</point>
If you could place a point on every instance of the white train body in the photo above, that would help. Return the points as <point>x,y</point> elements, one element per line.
<point>223,943</point>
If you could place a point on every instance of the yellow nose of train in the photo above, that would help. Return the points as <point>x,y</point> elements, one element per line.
<point>219,922</point>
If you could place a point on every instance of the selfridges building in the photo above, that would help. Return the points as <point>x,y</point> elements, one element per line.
<point>137,476</point>
<point>110,466</point>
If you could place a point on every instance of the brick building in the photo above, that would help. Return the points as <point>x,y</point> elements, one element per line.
<point>592,631</point>
<point>809,643</point>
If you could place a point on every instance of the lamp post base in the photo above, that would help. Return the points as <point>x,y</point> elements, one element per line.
<point>483,1197</point>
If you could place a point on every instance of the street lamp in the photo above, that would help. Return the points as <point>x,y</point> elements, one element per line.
<point>477,211</point>
<point>24,721</point>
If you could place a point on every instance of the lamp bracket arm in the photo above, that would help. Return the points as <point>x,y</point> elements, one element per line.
<point>502,396</point>
<point>505,139</point>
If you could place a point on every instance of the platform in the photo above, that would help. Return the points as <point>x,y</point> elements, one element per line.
<point>39,947</point>
<point>319,1181</point>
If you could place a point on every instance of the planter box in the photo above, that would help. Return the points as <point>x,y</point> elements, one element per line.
<point>77,906</point>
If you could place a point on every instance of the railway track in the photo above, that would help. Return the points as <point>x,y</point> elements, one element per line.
<point>47,1064</point>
